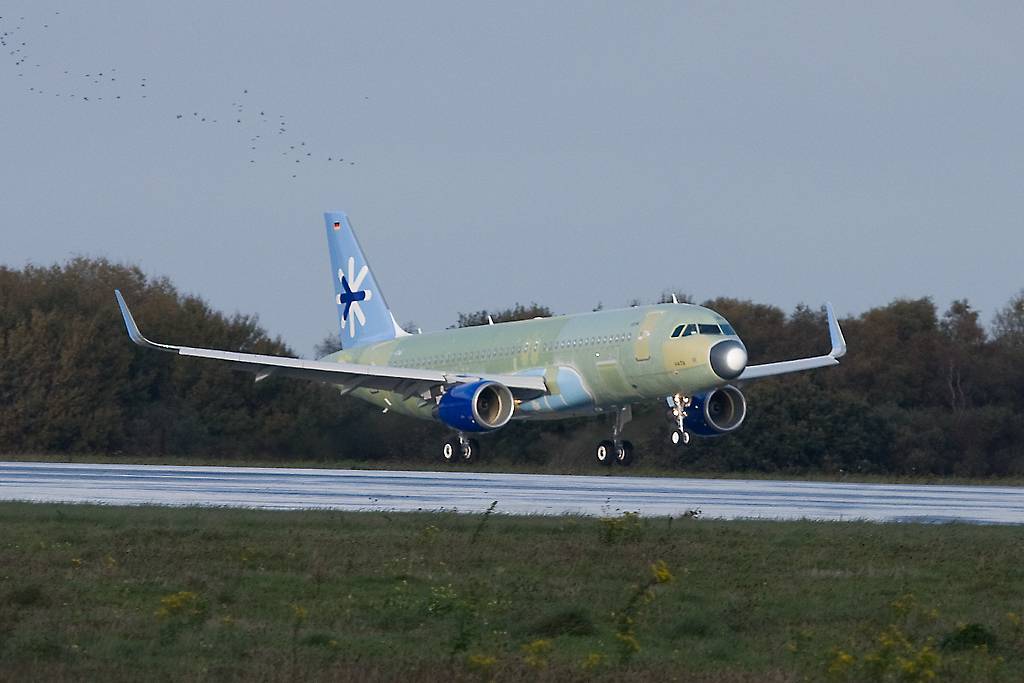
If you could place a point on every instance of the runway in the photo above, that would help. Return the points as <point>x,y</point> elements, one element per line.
<point>292,489</point>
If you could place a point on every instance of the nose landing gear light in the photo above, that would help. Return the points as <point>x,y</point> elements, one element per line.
<point>677,414</point>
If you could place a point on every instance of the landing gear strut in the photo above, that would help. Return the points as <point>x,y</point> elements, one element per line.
<point>617,450</point>
<point>677,414</point>
<point>460,449</point>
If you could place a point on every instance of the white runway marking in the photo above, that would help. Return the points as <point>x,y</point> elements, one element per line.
<point>289,489</point>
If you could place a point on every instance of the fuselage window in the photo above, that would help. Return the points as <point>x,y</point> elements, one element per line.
<point>709,329</point>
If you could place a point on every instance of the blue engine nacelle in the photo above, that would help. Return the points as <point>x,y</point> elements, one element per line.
<point>716,412</point>
<point>476,407</point>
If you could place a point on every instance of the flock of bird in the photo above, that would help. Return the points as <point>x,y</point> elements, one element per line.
<point>267,131</point>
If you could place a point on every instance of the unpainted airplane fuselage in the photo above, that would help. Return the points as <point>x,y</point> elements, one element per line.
<point>591,362</point>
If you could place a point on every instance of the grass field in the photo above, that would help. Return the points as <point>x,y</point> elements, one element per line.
<point>102,593</point>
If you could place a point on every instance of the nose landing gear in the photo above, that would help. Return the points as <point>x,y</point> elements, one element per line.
<point>617,450</point>
<point>677,414</point>
<point>460,449</point>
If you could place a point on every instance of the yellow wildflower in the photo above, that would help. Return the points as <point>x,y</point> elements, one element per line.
<point>536,653</point>
<point>661,573</point>
<point>299,612</point>
<point>629,642</point>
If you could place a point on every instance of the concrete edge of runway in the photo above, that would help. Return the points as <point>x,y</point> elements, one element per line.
<point>118,484</point>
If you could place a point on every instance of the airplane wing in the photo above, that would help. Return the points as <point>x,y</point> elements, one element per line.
<point>786,367</point>
<point>348,376</point>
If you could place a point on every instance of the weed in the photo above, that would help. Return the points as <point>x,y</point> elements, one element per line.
<point>536,653</point>
<point>625,620</point>
<point>967,637</point>
<point>319,639</point>
<point>628,527</point>
<point>593,661</point>
<point>184,605</point>
<point>568,622</point>
<point>483,521</point>
<point>30,595</point>
<point>400,609</point>
<point>429,533</point>
<point>839,664</point>
<point>298,619</point>
<point>907,651</point>
<point>482,665</point>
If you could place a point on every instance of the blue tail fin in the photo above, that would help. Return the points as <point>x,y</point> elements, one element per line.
<point>362,312</point>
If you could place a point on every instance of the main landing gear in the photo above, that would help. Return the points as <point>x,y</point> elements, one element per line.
<point>460,449</point>
<point>677,415</point>
<point>617,450</point>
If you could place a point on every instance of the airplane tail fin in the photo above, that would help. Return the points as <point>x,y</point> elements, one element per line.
<point>363,314</point>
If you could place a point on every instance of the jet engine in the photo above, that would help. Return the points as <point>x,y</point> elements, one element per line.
<point>476,407</point>
<point>716,412</point>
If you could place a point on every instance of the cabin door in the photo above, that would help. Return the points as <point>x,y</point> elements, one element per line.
<point>642,345</point>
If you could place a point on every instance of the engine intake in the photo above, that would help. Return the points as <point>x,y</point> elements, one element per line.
<point>476,407</point>
<point>716,412</point>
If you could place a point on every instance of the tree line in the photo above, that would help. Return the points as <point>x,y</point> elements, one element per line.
<point>919,392</point>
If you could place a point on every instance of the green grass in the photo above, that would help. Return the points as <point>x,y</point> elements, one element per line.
<point>581,465</point>
<point>91,592</point>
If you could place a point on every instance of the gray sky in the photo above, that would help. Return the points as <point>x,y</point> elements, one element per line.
<point>567,153</point>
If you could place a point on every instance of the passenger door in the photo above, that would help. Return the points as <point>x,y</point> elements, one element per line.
<point>642,345</point>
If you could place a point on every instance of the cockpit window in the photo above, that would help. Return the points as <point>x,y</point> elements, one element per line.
<point>727,329</point>
<point>709,329</point>
<point>684,330</point>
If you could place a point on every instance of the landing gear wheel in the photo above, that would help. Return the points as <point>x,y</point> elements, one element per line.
<point>605,453</point>
<point>448,451</point>
<point>680,436</point>
<point>470,450</point>
<point>624,453</point>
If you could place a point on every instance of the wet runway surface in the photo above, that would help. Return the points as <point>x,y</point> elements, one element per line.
<point>289,489</point>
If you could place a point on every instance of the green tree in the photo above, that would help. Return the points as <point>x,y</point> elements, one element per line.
<point>1008,325</point>
<point>516,312</point>
<point>71,381</point>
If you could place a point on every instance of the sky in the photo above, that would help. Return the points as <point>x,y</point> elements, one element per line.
<point>564,153</point>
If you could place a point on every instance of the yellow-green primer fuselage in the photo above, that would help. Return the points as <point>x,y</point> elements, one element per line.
<point>591,362</point>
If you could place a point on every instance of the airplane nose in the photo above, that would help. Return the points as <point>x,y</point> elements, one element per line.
<point>728,359</point>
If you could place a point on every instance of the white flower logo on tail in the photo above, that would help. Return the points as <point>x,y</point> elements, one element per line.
<point>351,295</point>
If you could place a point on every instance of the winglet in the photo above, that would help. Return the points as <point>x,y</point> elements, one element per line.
<point>133,329</point>
<point>835,333</point>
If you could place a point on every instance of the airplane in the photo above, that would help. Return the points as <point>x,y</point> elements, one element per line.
<point>477,379</point>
